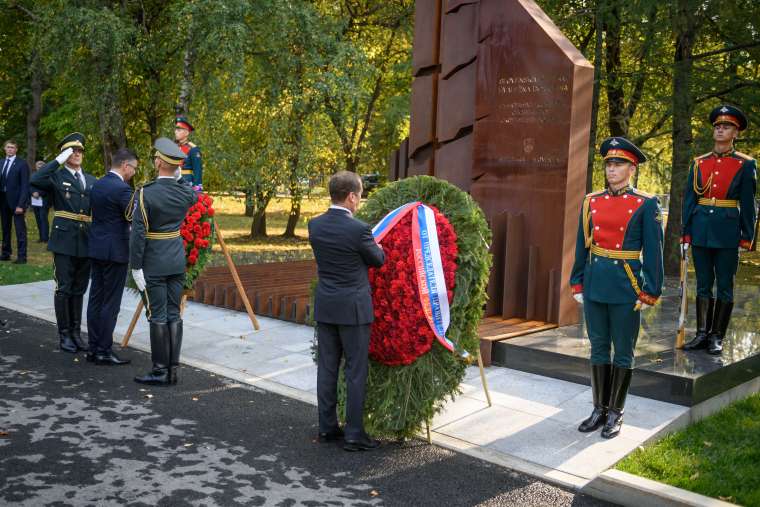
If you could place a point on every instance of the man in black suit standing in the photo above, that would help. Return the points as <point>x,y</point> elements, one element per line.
<point>344,249</point>
<point>14,199</point>
<point>110,198</point>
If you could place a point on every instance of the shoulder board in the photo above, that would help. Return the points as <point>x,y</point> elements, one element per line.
<point>743,155</point>
<point>642,193</point>
<point>192,145</point>
<point>704,155</point>
<point>598,192</point>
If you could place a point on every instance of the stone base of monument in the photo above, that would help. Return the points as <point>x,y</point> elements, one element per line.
<point>662,372</point>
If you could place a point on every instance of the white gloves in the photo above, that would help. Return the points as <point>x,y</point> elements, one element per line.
<point>578,298</point>
<point>139,278</point>
<point>64,156</point>
<point>685,246</point>
<point>641,306</point>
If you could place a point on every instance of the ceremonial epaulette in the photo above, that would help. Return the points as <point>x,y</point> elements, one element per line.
<point>743,155</point>
<point>704,155</point>
<point>598,192</point>
<point>192,145</point>
<point>642,193</point>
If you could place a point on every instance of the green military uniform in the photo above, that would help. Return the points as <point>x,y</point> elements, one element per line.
<point>718,219</point>
<point>157,248</point>
<point>192,166</point>
<point>618,266</point>
<point>69,193</point>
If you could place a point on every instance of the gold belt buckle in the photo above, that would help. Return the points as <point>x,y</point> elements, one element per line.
<point>713,201</point>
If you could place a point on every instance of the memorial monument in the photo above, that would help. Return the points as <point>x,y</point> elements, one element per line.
<point>501,107</point>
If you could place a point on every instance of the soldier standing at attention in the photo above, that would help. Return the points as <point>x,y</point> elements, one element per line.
<point>192,168</point>
<point>617,273</point>
<point>157,259</point>
<point>718,221</point>
<point>68,188</point>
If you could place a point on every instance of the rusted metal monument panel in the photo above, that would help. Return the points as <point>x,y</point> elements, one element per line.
<point>512,128</point>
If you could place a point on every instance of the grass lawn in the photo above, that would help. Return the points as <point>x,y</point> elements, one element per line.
<point>231,219</point>
<point>718,456</point>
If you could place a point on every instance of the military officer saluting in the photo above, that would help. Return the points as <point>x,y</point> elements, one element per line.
<point>618,272</point>
<point>68,187</point>
<point>192,168</point>
<point>157,258</point>
<point>718,220</point>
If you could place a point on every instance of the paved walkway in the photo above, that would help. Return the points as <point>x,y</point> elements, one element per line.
<point>531,426</point>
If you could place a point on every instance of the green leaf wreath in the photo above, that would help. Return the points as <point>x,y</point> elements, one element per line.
<point>400,399</point>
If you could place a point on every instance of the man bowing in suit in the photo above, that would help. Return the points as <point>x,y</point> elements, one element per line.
<point>14,199</point>
<point>109,253</point>
<point>344,249</point>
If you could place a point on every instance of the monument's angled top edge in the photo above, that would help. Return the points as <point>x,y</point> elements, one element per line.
<point>555,33</point>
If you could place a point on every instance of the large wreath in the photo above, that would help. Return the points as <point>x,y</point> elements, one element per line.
<point>197,233</point>
<point>411,374</point>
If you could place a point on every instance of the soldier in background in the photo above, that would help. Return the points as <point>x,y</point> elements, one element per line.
<point>718,221</point>
<point>618,272</point>
<point>68,188</point>
<point>157,259</point>
<point>192,168</point>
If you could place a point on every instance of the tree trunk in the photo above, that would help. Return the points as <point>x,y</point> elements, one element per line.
<point>599,27</point>
<point>259,224</point>
<point>248,203</point>
<point>295,211</point>
<point>33,114</point>
<point>183,103</point>
<point>684,29</point>
<point>617,121</point>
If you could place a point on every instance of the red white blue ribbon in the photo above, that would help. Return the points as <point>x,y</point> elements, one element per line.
<point>428,265</point>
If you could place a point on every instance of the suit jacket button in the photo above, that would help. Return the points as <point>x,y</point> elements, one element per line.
<point>711,211</point>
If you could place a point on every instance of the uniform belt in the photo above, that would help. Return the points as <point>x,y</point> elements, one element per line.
<point>162,235</point>
<point>718,203</point>
<point>631,255</point>
<point>187,171</point>
<point>73,216</point>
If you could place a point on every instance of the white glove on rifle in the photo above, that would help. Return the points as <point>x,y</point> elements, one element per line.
<point>578,297</point>
<point>139,278</point>
<point>64,156</point>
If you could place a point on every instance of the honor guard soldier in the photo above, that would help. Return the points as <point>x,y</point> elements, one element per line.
<point>157,258</point>
<point>718,220</point>
<point>618,272</point>
<point>68,188</point>
<point>192,168</point>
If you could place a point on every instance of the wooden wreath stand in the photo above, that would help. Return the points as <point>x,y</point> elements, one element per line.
<point>485,390</point>
<point>235,277</point>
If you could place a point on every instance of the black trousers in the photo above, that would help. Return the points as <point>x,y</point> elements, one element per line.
<point>335,341</point>
<point>41,217</point>
<point>162,297</point>
<point>106,288</point>
<point>72,274</point>
<point>10,219</point>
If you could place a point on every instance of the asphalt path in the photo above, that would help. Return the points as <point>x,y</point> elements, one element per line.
<point>72,433</point>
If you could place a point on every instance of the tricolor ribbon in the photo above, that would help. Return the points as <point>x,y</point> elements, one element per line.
<point>428,266</point>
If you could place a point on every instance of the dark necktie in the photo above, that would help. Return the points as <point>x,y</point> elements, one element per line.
<point>80,180</point>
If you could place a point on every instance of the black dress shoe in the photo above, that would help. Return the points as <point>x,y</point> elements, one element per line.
<point>364,443</point>
<point>110,359</point>
<point>330,436</point>
<point>90,356</point>
<point>19,261</point>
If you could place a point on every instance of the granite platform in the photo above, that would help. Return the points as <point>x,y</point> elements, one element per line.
<point>662,372</point>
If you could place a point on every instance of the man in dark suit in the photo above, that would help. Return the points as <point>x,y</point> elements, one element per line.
<point>14,199</point>
<point>109,253</point>
<point>344,249</point>
<point>157,259</point>
<point>68,188</point>
<point>41,207</point>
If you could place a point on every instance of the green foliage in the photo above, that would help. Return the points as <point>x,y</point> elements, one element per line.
<point>400,399</point>
<point>718,456</point>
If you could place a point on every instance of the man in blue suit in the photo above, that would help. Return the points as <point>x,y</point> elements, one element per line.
<point>109,252</point>
<point>14,199</point>
<point>344,249</point>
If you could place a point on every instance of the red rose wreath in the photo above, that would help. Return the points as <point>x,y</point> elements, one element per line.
<point>197,235</point>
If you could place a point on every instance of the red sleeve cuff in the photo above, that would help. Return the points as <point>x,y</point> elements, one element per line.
<point>647,298</point>
<point>746,244</point>
<point>577,288</point>
<point>686,239</point>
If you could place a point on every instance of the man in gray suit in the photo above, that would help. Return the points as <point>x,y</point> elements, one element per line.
<point>157,259</point>
<point>344,249</point>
